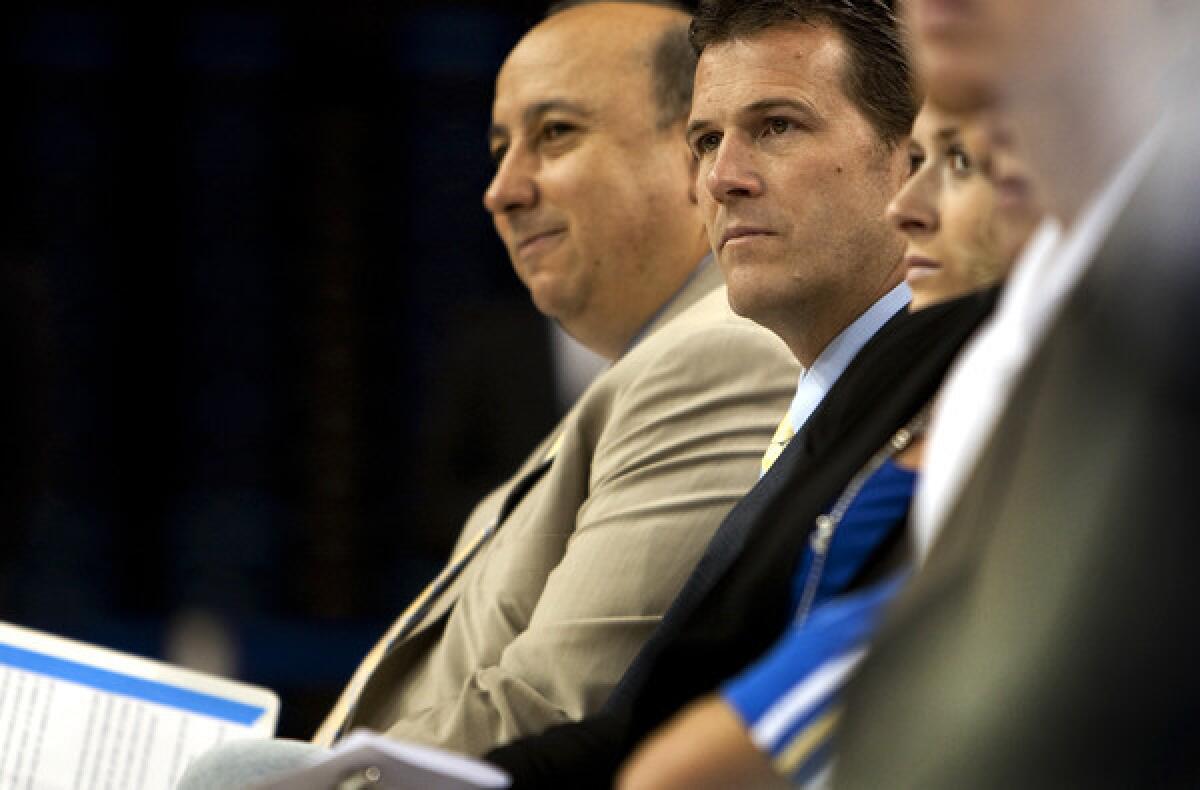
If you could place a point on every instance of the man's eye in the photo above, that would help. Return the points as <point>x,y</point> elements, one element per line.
<point>556,130</point>
<point>777,125</point>
<point>498,153</point>
<point>706,143</point>
<point>914,163</point>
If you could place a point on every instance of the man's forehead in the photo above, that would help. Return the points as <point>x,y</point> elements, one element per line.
<point>582,78</point>
<point>552,89</point>
<point>796,62</point>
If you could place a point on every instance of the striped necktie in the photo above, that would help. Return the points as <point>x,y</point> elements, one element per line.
<point>332,728</point>
<point>783,435</point>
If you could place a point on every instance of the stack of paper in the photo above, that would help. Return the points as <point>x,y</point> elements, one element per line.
<point>368,760</point>
<point>78,716</point>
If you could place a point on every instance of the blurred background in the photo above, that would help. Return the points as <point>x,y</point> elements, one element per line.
<point>262,348</point>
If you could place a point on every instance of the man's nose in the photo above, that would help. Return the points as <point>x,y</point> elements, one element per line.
<point>733,171</point>
<point>513,186</point>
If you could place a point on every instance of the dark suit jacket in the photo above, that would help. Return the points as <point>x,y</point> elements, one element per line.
<point>1052,638</point>
<point>735,605</point>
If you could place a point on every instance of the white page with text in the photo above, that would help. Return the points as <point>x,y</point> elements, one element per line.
<point>80,717</point>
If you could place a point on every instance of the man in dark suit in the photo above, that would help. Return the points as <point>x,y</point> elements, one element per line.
<point>1050,640</point>
<point>767,99</point>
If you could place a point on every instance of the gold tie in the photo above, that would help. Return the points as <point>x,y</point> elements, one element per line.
<point>330,729</point>
<point>783,435</point>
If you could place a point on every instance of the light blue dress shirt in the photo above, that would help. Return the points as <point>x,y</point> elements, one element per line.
<point>819,378</point>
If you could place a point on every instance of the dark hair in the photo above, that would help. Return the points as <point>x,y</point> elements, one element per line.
<point>672,61</point>
<point>877,76</point>
<point>564,5</point>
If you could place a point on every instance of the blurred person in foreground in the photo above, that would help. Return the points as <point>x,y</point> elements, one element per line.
<point>561,574</point>
<point>1050,637</point>
<point>966,210</point>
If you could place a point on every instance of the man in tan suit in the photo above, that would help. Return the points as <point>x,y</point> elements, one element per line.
<point>561,574</point>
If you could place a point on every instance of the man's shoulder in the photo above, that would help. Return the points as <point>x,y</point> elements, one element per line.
<point>709,332</point>
<point>702,358</point>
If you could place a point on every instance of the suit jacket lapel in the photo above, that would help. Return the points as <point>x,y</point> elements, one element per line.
<point>747,567</point>
<point>440,595</point>
<point>827,426</point>
<point>443,600</point>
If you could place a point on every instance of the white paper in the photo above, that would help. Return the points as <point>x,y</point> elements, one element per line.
<point>400,766</point>
<point>76,716</point>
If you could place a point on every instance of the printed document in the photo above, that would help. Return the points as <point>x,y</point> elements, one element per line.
<point>76,716</point>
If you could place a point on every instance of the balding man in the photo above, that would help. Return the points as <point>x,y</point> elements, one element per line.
<point>562,573</point>
<point>598,529</point>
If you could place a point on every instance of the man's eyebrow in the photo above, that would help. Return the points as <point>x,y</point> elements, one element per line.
<point>799,105</point>
<point>538,109</point>
<point>697,125</point>
<point>759,107</point>
<point>533,112</point>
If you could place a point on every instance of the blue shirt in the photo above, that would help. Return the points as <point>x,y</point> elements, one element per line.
<point>880,508</point>
<point>788,700</point>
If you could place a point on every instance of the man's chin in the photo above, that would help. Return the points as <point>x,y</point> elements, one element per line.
<point>553,298</point>
<point>752,299</point>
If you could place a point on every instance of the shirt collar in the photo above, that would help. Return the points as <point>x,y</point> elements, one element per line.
<point>820,377</point>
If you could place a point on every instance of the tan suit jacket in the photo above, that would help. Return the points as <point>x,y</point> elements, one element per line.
<point>546,616</point>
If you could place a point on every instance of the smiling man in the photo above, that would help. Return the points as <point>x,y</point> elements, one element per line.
<point>590,194</point>
<point>562,573</point>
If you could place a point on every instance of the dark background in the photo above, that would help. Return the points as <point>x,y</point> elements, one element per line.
<point>262,347</point>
